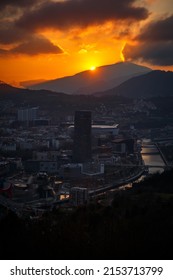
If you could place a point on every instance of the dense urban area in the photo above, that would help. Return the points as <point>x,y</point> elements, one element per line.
<point>87,168</point>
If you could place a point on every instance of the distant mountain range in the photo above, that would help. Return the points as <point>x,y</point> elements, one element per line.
<point>27,96</point>
<point>28,83</point>
<point>152,84</point>
<point>88,82</point>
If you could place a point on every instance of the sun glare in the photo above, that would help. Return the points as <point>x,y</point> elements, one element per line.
<point>92,68</point>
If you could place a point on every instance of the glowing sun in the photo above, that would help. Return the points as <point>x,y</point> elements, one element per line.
<point>92,68</point>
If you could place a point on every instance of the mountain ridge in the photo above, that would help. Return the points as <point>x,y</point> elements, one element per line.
<point>87,82</point>
<point>154,83</point>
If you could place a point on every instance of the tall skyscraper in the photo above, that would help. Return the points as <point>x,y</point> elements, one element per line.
<point>82,136</point>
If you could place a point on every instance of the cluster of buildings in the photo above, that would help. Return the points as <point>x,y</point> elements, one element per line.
<point>83,156</point>
<point>30,116</point>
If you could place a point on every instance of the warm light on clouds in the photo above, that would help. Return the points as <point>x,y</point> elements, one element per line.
<point>48,39</point>
<point>121,54</point>
<point>83,51</point>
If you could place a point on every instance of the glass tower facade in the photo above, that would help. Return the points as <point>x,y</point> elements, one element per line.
<point>82,136</point>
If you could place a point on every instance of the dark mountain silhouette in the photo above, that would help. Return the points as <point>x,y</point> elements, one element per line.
<point>7,91</point>
<point>6,88</point>
<point>60,103</point>
<point>152,84</point>
<point>87,82</point>
<point>21,96</point>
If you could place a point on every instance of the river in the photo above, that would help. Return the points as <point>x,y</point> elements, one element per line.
<point>152,157</point>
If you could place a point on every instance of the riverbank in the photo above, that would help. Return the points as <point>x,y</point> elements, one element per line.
<point>117,184</point>
<point>152,157</point>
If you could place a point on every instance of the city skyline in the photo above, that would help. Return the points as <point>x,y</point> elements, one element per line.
<point>50,39</point>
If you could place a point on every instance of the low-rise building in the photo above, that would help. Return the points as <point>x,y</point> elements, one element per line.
<point>69,171</point>
<point>100,129</point>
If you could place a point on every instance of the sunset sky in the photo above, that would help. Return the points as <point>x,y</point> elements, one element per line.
<point>47,39</point>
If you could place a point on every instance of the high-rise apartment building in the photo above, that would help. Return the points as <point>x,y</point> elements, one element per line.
<point>27,114</point>
<point>82,136</point>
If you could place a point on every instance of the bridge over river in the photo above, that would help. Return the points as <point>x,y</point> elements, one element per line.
<point>153,156</point>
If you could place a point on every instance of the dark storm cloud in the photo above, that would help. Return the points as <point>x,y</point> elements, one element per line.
<point>155,44</point>
<point>10,34</point>
<point>16,3</point>
<point>10,10</point>
<point>33,46</point>
<point>155,53</point>
<point>27,43</point>
<point>59,15</point>
<point>37,45</point>
<point>16,40</point>
<point>161,30</point>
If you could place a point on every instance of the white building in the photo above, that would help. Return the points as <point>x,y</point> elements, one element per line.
<point>105,129</point>
<point>100,129</point>
<point>27,114</point>
<point>9,145</point>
